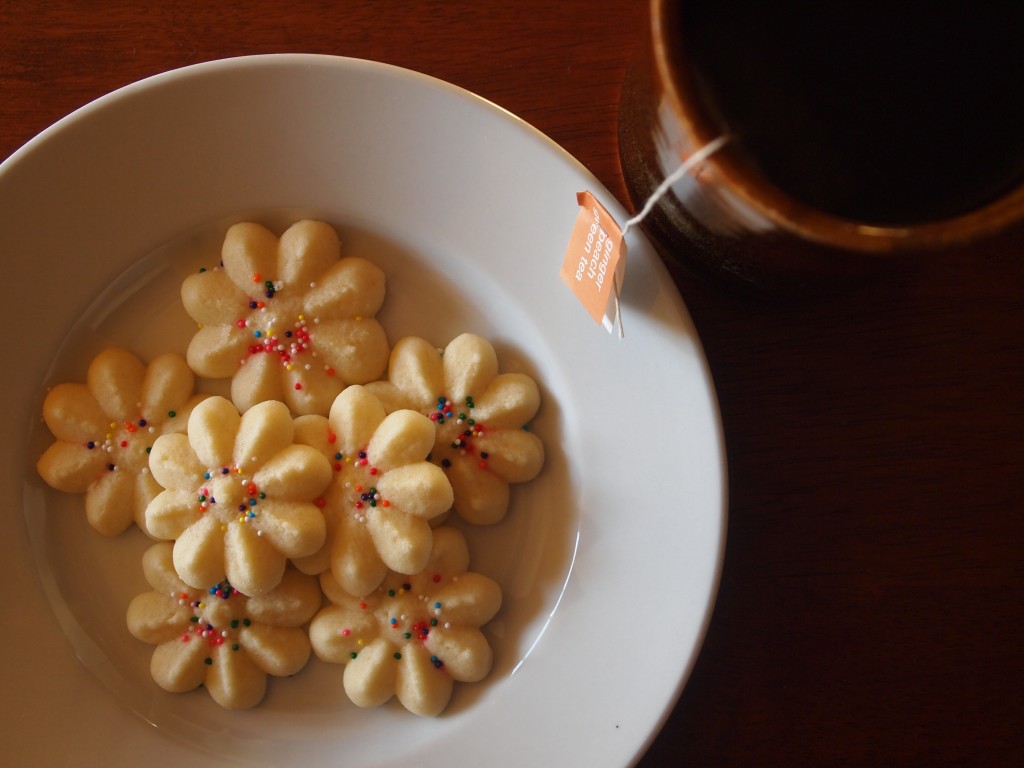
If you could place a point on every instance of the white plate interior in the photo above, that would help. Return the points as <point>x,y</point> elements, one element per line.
<point>608,561</point>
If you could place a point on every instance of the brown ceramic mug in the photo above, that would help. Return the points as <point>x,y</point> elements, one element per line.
<point>857,134</point>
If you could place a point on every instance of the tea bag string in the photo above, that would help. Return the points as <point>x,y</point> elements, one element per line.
<point>699,156</point>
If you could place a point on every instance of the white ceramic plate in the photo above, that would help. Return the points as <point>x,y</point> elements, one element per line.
<point>609,560</point>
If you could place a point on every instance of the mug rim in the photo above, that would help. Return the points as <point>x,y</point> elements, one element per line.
<point>680,91</point>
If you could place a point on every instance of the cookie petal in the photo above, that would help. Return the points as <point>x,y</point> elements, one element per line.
<point>356,348</point>
<point>402,540</point>
<point>73,415</point>
<point>199,557</point>
<point>465,652</point>
<point>481,497</point>
<point>212,428</point>
<point>292,603</point>
<point>215,350</point>
<point>473,600</point>
<point>234,680</point>
<point>257,381</point>
<point>296,472</point>
<point>249,254</point>
<point>70,467</point>
<point>158,567</point>
<point>279,651</point>
<point>264,431</point>
<point>115,379</point>
<point>423,689</point>
<point>295,528</point>
<point>310,391</point>
<point>155,618</point>
<point>173,463</point>
<point>110,502</point>
<point>337,632</point>
<point>307,250</point>
<point>392,398</point>
<point>354,417</point>
<point>351,288</point>
<point>210,298</point>
<point>369,679</point>
<point>355,562</point>
<point>404,437</point>
<point>420,489</point>
<point>509,401</point>
<point>515,455</point>
<point>416,369</point>
<point>470,364</point>
<point>252,564</point>
<point>171,513</point>
<point>167,385</point>
<point>146,490</point>
<point>178,666</point>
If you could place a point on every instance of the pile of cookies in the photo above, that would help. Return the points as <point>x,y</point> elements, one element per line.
<point>306,513</point>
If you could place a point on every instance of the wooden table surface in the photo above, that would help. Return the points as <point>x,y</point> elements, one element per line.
<point>870,603</point>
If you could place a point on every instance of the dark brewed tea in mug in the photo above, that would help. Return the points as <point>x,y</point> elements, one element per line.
<point>889,113</point>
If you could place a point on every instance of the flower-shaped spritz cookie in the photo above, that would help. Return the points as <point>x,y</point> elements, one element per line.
<point>241,497</point>
<point>480,416</point>
<point>414,636</point>
<point>287,319</point>
<point>105,428</point>
<point>384,493</point>
<point>218,637</point>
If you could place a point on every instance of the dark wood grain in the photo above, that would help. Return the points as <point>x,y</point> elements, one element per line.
<point>870,606</point>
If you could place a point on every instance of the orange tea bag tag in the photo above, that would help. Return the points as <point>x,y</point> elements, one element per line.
<point>595,261</point>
